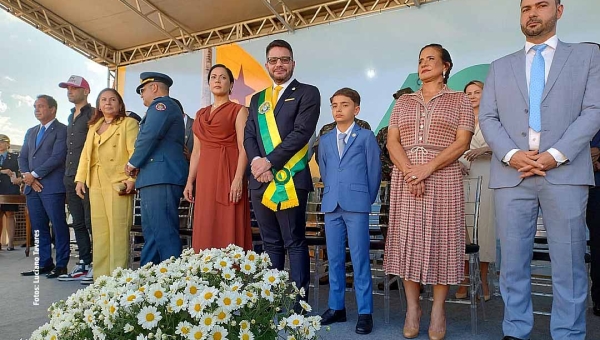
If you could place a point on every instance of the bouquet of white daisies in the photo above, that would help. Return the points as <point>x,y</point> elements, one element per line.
<point>217,294</point>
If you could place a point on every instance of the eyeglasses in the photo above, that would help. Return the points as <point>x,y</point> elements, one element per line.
<point>145,87</point>
<point>284,60</point>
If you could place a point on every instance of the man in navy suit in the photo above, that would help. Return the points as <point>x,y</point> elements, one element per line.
<point>42,163</point>
<point>282,119</point>
<point>351,172</point>
<point>162,168</point>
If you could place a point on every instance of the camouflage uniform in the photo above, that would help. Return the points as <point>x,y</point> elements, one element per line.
<point>328,127</point>
<point>386,163</point>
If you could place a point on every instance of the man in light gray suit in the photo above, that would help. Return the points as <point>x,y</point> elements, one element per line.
<point>540,109</point>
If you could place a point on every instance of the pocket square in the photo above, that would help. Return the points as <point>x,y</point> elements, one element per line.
<point>289,99</point>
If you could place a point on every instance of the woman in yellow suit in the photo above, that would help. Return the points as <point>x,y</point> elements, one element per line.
<point>108,146</point>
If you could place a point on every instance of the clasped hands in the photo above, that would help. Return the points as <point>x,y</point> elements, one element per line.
<point>415,176</point>
<point>33,182</point>
<point>260,170</point>
<point>531,163</point>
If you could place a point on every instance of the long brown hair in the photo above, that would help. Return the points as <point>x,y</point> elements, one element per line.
<point>98,113</point>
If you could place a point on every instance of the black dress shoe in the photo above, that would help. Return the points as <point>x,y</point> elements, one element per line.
<point>331,316</point>
<point>596,309</point>
<point>508,337</point>
<point>364,325</point>
<point>58,271</point>
<point>41,270</point>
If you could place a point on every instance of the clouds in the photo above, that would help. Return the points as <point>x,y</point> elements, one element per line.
<point>23,100</point>
<point>9,78</point>
<point>16,134</point>
<point>3,105</point>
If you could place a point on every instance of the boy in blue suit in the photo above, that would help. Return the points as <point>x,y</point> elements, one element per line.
<point>351,171</point>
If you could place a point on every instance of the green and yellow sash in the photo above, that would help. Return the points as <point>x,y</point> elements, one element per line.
<point>281,191</point>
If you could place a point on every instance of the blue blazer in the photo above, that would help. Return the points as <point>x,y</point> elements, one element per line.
<point>352,181</point>
<point>159,145</point>
<point>296,113</point>
<point>48,159</point>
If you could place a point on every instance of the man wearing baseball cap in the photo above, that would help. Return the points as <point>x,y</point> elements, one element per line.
<point>78,90</point>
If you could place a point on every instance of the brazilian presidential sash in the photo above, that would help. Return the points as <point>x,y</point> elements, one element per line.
<point>281,190</point>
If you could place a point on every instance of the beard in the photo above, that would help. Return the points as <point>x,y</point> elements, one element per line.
<point>282,78</point>
<point>542,28</point>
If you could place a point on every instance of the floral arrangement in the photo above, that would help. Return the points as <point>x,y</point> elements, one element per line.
<point>216,294</point>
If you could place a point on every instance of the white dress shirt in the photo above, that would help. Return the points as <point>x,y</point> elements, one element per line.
<point>47,125</point>
<point>347,132</point>
<point>534,136</point>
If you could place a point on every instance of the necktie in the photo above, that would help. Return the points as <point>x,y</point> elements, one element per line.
<point>1,160</point>
<point>537,81</point>
<point>40,136</point>
<point>276,95</point>
<point>341,143</point>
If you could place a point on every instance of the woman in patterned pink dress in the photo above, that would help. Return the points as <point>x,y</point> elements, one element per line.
<point>429,130</point>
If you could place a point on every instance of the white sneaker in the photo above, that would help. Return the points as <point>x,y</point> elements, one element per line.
<point>77,273</point>
<point>88,279</point>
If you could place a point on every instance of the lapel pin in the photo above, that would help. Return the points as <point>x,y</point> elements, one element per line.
<point>353,135</point>
<point>293,89</point>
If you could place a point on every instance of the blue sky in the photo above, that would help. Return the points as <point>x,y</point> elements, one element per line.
<point>32,63</point>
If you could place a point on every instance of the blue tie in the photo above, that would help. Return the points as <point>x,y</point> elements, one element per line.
<point>40,136</point>
<point>537,81</point>
<point>1,160</point>
<point>341,143</point>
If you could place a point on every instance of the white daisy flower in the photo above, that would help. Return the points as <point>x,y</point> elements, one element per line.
<point>248,267</point>
<point>209,294</point>
<point>128,328</point>
<point>88,317</point>
<point>207,321</point>
<point>223,263</point>
<point>222,315</point>
<point>271,277</point>
<point>184,328</point>
<point>196,333</point>
<point>131,297</point>
<point>178,302</point>
<point>148,317</point>
<point>246,335</point>
<point>196,307</point>
<point>267,293</point>
<point>295,321</point>
<point>228,274</point>
<point>157,294</point>
<point>244,325</point>
<point>192,289</point>
<point>227,300</point>
<point>218,333</point>
<point>291,337</point>
<point>305,306</point>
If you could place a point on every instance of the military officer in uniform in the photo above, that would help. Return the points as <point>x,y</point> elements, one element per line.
<point>161,168</point>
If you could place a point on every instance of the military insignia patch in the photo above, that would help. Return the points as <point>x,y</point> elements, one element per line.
<point>266,106</point>
<point>161,107</point>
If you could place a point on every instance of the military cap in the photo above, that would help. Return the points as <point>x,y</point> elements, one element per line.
<point>149,77</point>
<point>4,138</point>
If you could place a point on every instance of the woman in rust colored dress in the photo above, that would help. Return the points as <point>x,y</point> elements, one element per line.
<point>428,132</point>
<point>217,167</point>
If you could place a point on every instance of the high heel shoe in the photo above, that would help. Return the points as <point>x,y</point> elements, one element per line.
<point>460,295</point>
<point>409,332</point>
<point>437,335</point>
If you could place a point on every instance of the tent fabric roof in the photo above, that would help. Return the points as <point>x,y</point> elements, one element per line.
<point>124,32</point>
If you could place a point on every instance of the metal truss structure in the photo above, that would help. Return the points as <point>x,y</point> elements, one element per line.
<point>179,39</point>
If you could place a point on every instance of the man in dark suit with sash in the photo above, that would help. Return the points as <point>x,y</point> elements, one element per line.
<point>282,119</point>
